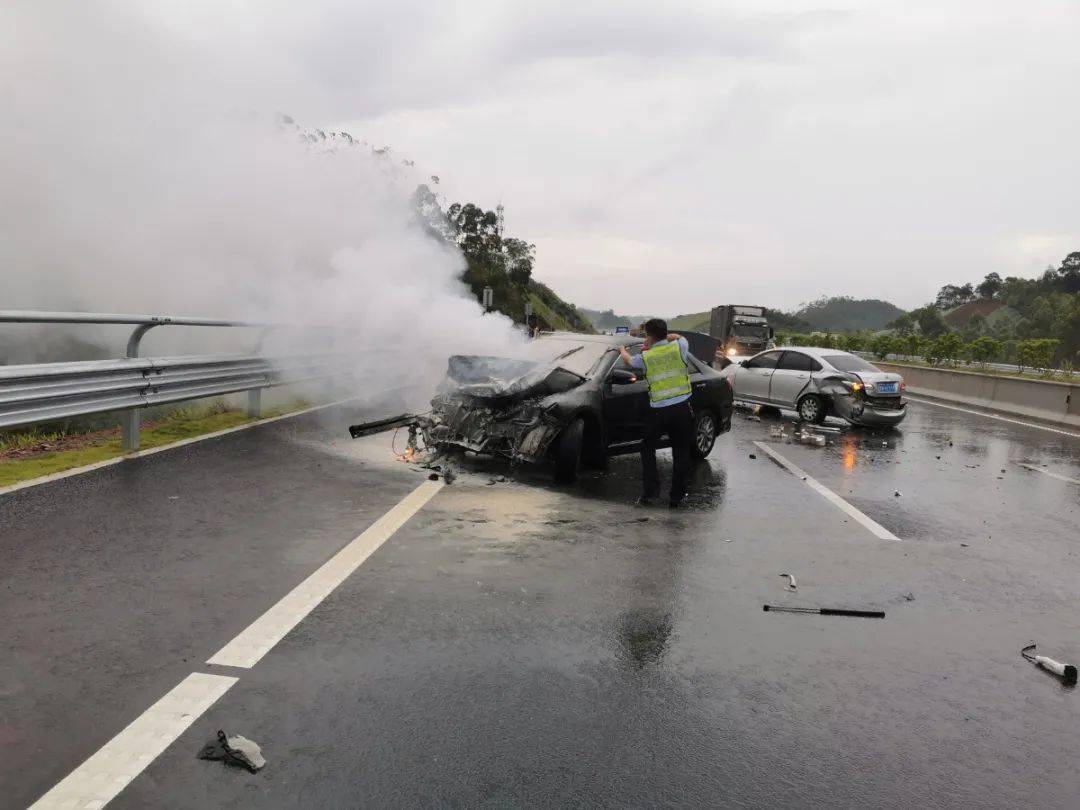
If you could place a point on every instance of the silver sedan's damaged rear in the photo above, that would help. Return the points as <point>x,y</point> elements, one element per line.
<point>818,382</point>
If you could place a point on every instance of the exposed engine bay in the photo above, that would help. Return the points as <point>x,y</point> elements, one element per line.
<point>490,405</point>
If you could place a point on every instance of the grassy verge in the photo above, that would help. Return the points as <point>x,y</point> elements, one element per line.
<point>30,454</point>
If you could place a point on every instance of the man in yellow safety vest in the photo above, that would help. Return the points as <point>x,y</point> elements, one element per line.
<point>663,359</point>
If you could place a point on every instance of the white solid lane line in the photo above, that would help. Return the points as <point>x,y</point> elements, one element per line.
<point>261,635</point>
<point>97,781</point>
<point>875,528</point>
<point>995,416</point>
<point>1058,476</point>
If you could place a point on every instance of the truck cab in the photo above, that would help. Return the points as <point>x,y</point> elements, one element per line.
<point>741,330</point>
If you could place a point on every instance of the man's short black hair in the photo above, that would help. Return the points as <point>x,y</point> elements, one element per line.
<point>656,328</point>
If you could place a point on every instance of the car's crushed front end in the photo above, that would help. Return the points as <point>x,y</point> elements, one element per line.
<point>868,399</point>
<point>497,406</point>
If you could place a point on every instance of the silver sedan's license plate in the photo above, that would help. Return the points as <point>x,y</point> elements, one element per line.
<point>887,388</point>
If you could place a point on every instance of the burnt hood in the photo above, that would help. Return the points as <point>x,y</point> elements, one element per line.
<point>502,381</point>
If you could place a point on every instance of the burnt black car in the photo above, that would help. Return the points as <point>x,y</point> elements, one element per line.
<point>566,398</point>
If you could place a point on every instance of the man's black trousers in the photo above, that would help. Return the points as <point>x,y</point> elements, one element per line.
<point>677,421</point>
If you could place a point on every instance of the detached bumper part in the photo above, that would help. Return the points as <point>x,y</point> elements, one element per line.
<point>381,425</point>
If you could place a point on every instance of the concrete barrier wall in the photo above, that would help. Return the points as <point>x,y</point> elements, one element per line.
<point>1042,399</point>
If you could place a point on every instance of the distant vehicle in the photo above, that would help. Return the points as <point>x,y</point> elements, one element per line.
<point>741,330</point>
<point>566,398</point>
<point>820,382</point>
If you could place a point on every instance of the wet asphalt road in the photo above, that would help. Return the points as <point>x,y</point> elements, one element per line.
<point>520,644</point>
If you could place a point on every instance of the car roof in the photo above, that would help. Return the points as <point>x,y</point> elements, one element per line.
<point>814,351</point>
<point>614,341</point>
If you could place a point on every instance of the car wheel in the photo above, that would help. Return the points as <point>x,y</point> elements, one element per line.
<point>812,409</point>
<point>568,452</point>
<point>705,431</point>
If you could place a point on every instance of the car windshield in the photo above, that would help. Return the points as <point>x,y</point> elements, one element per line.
<point>848,362</point>
<point>578,356</point>
<point>749,330</point>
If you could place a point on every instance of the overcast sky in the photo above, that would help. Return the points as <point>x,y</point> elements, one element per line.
<point>666,157</point>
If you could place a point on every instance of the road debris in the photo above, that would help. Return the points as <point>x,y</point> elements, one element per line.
<point>237,751</point>
<point>753,456</point>
<point>866,614</point>
<point>753,418</point>
<point>896,494</point>
<point>910,597</point>
<point>1067,672</point>
<point>791,585</point>
<point>805,436</point>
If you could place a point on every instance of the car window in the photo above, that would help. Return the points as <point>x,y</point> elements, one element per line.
<point>797,361</point>
<point>848,362</point>
<point>767,360</point>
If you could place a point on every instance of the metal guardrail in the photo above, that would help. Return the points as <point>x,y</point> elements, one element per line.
<point>43,392</point>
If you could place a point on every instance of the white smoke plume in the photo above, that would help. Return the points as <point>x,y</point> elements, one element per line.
<point>137,179</point>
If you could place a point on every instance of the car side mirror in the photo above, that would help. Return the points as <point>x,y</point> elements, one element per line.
<point>622,376</point>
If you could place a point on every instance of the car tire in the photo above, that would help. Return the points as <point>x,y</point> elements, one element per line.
<point>706,428</point>
<point>568,452</point>
<point>812,409</point>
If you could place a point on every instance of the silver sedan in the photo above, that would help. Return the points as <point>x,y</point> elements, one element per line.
<point>820,382</point>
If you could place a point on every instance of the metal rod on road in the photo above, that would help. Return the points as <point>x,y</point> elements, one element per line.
<point>866,614</point>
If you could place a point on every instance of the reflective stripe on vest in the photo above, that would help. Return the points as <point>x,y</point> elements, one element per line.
<point>666,373</point>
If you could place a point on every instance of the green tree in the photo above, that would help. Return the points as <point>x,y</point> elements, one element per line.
<point>904,324</point>
<point>946,347</point>
<point>910,344</point>
<point>882,346</point>
<point>1040,352</point>
<point>930,320</point>
<point>951,296</point>
<point>984,349</point>
<point>990,286</point>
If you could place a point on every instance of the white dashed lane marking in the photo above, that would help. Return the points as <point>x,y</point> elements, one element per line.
<point>1058,476</point>
<point>875,528</point>
<point>97,781</point>
<point>261,635</point>
<point>101,777</point>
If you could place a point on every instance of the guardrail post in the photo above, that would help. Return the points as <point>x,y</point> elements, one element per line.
<point>254,408</point>
<point>130,419</point>
<point>129,429</point>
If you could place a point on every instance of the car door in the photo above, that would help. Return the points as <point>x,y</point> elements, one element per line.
<point>624,404</point>
<point>791,377</point>
<point>752,378</point>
